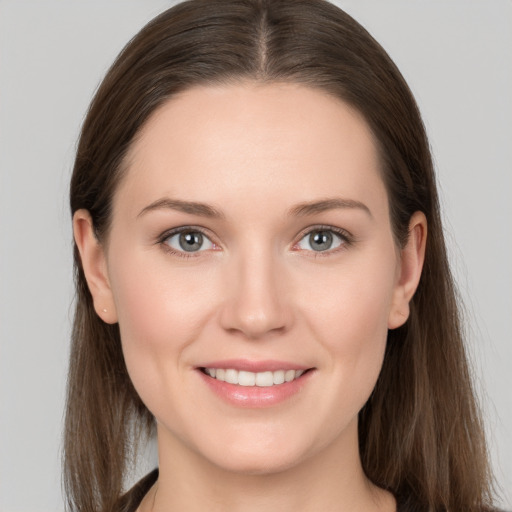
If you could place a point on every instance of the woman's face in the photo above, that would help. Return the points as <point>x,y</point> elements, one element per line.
<point>251,240</point>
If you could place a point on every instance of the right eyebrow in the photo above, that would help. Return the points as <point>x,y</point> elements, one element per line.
<point>190,207</point>
<point>314,207</point>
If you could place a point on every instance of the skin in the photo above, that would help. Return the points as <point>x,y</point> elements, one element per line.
<point>258,291</point>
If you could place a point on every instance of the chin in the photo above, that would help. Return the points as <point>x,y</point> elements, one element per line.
<point>258,464</point>
<point>262,454</point>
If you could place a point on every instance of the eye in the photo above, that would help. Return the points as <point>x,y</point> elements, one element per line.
<point>189,241</point>
<point>320,240</point>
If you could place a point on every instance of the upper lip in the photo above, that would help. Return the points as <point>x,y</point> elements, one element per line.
<point>254,366</point>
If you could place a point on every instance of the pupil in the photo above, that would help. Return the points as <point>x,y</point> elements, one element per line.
<point>321,240</point>
<point>191,241</point>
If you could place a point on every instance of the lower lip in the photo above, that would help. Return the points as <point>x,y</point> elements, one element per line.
<point>255,396</point>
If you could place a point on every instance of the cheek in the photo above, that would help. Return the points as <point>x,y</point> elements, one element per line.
<point>158,303</point>
<point>160,311</point>
<point>348,309</point>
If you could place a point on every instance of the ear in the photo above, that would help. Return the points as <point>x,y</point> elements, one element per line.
<point>412,257</point>
<point>93,259</point>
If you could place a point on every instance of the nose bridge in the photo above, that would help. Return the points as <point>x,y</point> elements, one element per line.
<point>257,302</point>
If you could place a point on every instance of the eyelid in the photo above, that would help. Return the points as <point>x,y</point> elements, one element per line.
<point>162,239</point>
<point>346,237</point>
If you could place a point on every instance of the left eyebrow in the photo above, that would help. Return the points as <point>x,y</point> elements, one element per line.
<point>191,207</point>
<point>313,207</point>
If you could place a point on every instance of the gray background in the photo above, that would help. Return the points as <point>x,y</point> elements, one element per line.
<point>457,58</point>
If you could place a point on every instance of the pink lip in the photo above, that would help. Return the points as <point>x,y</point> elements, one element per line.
<point>253,366</point>
<point>254,396</point>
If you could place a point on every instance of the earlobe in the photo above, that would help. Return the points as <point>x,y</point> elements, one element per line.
<point>412,257</point>
<point>93,260</point>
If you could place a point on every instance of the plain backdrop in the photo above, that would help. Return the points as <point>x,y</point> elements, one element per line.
<point>457,58</point>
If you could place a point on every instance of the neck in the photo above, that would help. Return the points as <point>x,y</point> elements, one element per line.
<point>332,479</point>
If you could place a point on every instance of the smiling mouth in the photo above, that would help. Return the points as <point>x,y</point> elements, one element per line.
<point>253,379</point>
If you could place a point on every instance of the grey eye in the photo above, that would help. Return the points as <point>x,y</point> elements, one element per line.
<point>189,241</point>
<point>320,240</point>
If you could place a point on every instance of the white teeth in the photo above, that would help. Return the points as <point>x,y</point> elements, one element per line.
<point>278,377</point>
<point>231,376</point>
<point>246,378</point>
<point>261,379</point>
<point>289,375</point>
<point>264,379</point>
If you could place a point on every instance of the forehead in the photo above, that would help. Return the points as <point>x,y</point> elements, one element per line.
<point>252,140</point>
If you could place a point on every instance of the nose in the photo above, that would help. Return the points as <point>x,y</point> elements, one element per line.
<point>257,303</point>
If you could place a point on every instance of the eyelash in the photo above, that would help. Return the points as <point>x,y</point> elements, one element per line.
<point>346,240</point>
<point>176,231</point>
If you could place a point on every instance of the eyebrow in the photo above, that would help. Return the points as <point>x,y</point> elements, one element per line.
<point>300,210</point>
<point>313,207</point>
<point>191,207</point>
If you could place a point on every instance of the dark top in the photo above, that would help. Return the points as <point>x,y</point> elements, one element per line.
<point>131,500</point>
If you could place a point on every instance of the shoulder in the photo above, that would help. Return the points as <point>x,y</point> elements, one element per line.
<point>420,508</point>
<point>131,500</point>
<point>409,504</point>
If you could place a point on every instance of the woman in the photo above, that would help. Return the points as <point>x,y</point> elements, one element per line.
<point>262,276</point>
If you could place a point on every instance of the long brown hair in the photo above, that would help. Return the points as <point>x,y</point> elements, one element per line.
<point>420,433</point>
